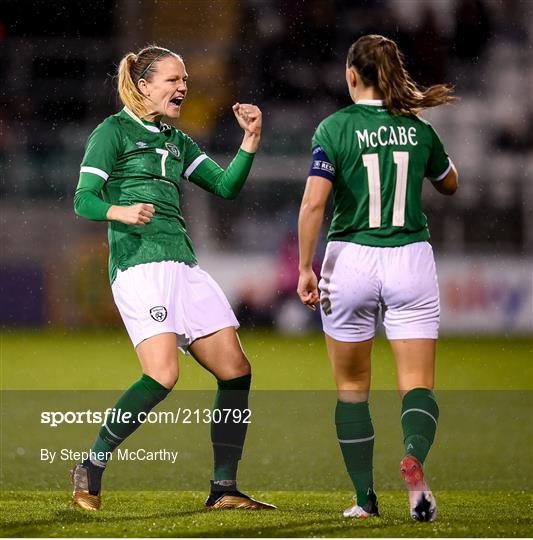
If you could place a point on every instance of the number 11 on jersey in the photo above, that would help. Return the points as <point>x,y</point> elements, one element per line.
<point>371,163</point>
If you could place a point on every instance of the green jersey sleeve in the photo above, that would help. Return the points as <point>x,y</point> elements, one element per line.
<point>438,163</point>
<point>206,173</point>
<point>322,138</point>
<point>103,148</point>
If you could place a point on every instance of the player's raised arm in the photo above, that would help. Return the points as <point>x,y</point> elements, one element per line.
<point>227,183</point>
<point>250,119</point>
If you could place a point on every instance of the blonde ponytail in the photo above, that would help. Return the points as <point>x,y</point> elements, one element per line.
<point>131,69</point>
<point>127,90</point>
<point>380,64</point>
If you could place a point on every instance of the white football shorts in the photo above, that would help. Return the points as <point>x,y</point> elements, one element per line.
<point>360,281</point>
<point>171,296</point>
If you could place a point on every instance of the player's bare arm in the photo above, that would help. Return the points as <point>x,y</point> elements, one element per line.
<point>314,201</point>
<point>378,255</point>
<point>448,185</point>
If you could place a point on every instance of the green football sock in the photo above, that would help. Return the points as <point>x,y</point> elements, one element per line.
<point>420,414</point>
<point>142,396</point>
<point>228,434</point>
<point>356,438</point>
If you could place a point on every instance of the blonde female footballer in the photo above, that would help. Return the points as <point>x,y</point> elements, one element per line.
<point>374,156</point>
<point>130,177</point>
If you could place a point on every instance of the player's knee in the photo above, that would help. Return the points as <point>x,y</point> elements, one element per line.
<point>355,384</point>
<point>166,376</point>
<point>168,380</point>
<point>244,369</point>
<point>356,379</point>
<point>240,370</point>
<point>237,366</point>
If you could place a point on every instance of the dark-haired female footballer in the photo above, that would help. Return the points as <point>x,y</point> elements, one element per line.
<point>130,176</point>
<point>374,156</point>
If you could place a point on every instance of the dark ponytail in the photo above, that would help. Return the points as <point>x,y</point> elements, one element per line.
<point>380,64</point>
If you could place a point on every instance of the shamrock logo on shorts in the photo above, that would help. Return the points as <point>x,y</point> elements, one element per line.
<point>158,313</point>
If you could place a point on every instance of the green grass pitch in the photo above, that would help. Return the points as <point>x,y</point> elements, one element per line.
<point>87,361</point>
<point>300,514</point>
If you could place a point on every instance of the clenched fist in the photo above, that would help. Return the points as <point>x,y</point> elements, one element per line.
<point>250,119</point>
<point>136,214</point>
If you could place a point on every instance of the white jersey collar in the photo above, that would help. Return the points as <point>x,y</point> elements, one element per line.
<point>149,127</point>
<point>377,102</point>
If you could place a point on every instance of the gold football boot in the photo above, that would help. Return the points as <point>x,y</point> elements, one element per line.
<point>80,495</point>
<point>234,500</point>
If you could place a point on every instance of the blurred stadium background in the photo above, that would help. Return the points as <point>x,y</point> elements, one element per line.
<point>58,61</point>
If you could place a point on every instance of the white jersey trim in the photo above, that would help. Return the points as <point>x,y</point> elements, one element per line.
<point>441,176</point>
<point>153,129</point>
<point>94,170</point>
<point>369,102</point>
<point>192,167</point>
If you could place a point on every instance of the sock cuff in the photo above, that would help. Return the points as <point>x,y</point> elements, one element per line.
<point>416,393</point>
<point>239,383</point>
<point>223,485</point>
<point>154,386</point>
<point>346,412</point>
<point>421,398</point>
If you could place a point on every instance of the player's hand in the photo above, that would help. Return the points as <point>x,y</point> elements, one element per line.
<point>308,289</point>
<point>249,117</point>
<point>136,214</point>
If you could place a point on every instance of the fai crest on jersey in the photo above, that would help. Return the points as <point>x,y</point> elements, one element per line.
<point>173,149</point>
<point>141,144</point>
<point>158,313</point>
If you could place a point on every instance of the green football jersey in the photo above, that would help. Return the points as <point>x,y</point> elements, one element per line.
<point>379,163</point>
<point>127,161</point>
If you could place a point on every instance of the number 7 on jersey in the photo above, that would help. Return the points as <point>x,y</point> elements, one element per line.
<point>164,155</point>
